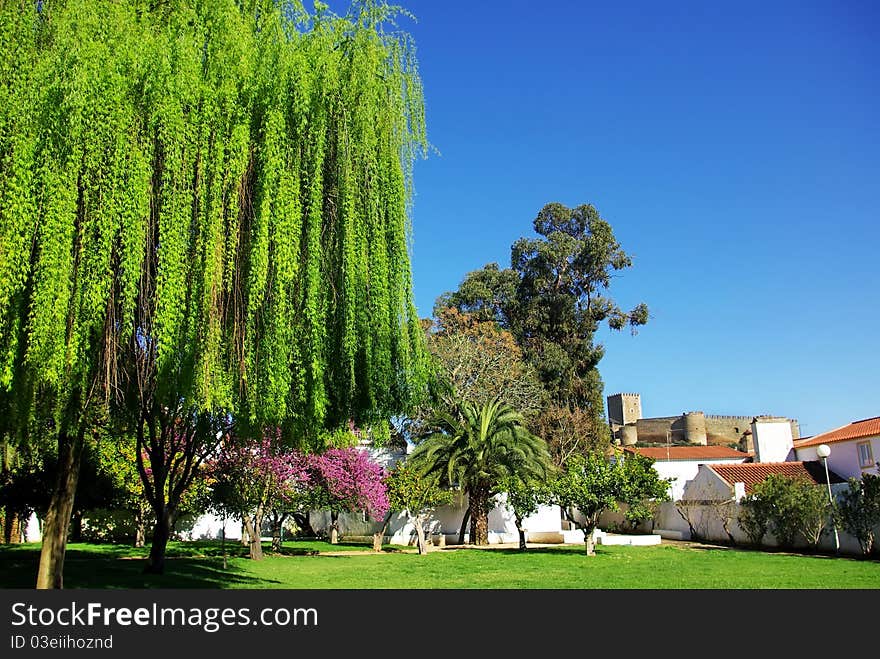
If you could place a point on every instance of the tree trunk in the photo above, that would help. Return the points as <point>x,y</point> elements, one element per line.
<point>522,534</point>
<point>253,528</point>
<point>464,524</point>
<point>304,524</point>
<point>140,531</point>
<point>589,543</point>
<point>479,504</point>
<point>277,530</point>
<point>379,535</point>
<point>50,571</point>
<point>161,536</point>
<point>334,527</point>
<point>11,527</point>
<point>420,534</point>
<point>223,543</point>
<point>76,527</point>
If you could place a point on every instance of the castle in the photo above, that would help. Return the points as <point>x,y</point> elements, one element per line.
<point>629,428</point>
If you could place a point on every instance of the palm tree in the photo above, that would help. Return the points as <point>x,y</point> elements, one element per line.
<point>477,449</point>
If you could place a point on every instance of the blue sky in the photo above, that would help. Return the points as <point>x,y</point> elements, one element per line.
<point>733,147</point>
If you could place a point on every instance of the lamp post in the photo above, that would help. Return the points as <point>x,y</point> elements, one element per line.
<point>823,451</point>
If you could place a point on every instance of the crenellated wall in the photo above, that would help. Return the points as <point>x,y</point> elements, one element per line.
<point>690,427</point>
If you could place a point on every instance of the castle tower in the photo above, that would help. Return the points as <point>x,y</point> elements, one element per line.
<point>624,409</point>
<point>695,428</point>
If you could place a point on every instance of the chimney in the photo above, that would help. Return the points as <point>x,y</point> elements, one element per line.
<point>739,491</point>
<point>771,436</point>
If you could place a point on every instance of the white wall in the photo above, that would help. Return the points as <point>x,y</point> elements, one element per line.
<point>844,458</point>
<point>684,470</point>
<point>772,439</point>
<point>446,520</point>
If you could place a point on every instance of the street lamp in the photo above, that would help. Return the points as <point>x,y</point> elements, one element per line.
<point>823,451</point>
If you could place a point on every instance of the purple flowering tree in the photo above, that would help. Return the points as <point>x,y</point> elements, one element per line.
<point>251,478</point>
<point>347,480</point>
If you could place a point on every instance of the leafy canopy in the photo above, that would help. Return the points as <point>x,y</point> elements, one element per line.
<point>211,196</point>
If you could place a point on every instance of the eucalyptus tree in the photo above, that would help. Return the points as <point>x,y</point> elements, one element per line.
<point>477,449</point>
<point>204,216</point>
<point>554,297</point>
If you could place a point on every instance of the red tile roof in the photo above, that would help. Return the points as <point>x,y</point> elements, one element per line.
<point>687,452</point>
<point>752,473</point>
<point>854,430</point>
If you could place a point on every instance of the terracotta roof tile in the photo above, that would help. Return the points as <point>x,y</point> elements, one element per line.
<point>752,473</point>
<point>854,430</point>
<point>687,452</point>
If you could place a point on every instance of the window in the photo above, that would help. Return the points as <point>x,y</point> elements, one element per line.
<point>866,458</point>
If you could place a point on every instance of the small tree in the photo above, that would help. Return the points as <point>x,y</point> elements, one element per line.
<point>812,511</point>
<point>725,512</point>
<point>248,476</point>
<point>347,480</point>
<point>691,512</point>
<point>524,497</point>
<point>418,496</point>
<point>754,518</point>
<point>593,484</point>
<point>858,510</point>
<point>790,508</point>
<point>641,489</point>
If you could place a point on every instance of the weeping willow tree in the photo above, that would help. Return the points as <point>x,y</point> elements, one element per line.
<point>204,220</point>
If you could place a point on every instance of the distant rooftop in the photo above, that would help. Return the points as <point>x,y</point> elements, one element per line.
<point>855,430</point>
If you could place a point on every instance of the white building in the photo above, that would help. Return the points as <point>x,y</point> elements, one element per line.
<point>855,448</point>
<point>680,463</point>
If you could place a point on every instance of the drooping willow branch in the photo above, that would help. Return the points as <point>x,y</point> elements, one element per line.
<point>207,204</point>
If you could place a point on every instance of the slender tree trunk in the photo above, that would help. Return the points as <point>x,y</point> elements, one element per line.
<point>379,535</point>
<point>223,542</point>
<point>277,530</point>
<point>522,533</point>
<point>589,543</point>
<point>464,525</point>
<point>334,527</point>
<point>479,504</point>
<point>140,531</point>
<point>420,534</point>
<point>50,571</point>
<point>76,527</point>
<point>161,536</point>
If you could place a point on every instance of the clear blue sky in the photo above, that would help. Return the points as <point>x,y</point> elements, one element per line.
<point>733,147</point>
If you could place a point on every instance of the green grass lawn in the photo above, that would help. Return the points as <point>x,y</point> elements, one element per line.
<point>199,565</point>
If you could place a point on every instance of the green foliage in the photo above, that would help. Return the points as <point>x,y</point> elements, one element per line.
<point>754,518</point>
<point>790,508</point>
<point>481,447</point>
<point>858,510</point>
<point>220,190</point>
<point>410,490</point>
<point>593,484</point>
<point>525,496</point>
<point>641,489</point>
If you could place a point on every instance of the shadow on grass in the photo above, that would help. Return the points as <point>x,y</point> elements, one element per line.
<point>115,566</point>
